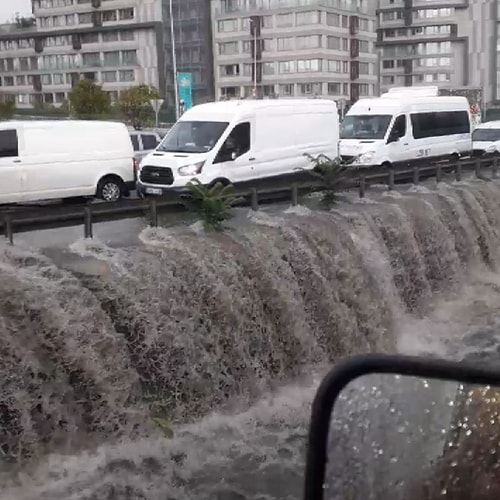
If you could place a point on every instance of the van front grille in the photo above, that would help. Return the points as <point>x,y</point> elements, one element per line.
<point>157,175</point>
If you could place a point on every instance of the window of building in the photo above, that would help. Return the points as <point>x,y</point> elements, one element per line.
<point>287,89</point>
<point>110,36</point>
<point>307,65</point>
<point>21,80</point>
<point>85,18</point>
<point>126,75</point>
<point>229,70</point>
<point>129,57</point>
<point>112,58</point>
<point>109,16</point>
<point>92,59</point>
<point>334,88</point>
<point>108,76</point>
<point>284,20</point>
<point>308,17</point>
<point>127,36</point>
<point>228,48</point>
<point>89,38</point>
<point>227,25</point>
<point>126,14</point>
<point>308,42</point>
<point>286,43</point>
<point>310,88</point>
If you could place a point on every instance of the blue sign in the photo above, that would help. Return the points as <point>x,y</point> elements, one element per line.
<point>185,84</point>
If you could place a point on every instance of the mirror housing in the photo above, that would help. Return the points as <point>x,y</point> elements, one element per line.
<point>351,369</point>
<point>392,138</point>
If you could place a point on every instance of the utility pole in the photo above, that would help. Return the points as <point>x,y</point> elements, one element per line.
<point>174,60</point>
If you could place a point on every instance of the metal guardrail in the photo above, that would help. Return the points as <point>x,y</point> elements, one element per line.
<point>22,220</point>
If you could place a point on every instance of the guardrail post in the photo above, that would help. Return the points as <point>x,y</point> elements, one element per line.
<point>494,168</point>
<point>9,230</point>
<point>477,168</point>
<point>416,175</point>
<point>87,223</point>
<point>439,173</point>
<point>390,183</point>
<point>254,199</point>
<point>153,212</point>
<point>362,186</point>
<point>295,195</point>
<point>458,172</point>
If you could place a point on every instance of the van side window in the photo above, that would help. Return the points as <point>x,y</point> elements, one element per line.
<point>135,142</point>
<point>149,141</point>
<point>8,144</point>
<point>441,123</point>
<point>238,142</point>
<point>399,127</point>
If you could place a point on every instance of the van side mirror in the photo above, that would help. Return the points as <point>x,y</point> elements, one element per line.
<point>392,138</point>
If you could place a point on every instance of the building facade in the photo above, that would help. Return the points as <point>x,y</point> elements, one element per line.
<point>116,43</point>
<point>297,48</point>
<point>193,47</point>
<point>448,43</point>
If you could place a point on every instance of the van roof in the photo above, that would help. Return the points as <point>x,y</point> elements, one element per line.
<point>392,104</point>
<point>492,124</point>
<point>230,108</point>
<point>58,123</point>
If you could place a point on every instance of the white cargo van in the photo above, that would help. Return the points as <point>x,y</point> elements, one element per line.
<point>43,160</point>
<point>239,142</point>
<point>406,126</point>
<point>486,138</point>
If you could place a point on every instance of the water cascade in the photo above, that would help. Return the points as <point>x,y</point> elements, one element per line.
<point>220,339</point>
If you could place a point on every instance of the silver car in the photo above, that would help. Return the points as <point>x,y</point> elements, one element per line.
<point>144,142</point>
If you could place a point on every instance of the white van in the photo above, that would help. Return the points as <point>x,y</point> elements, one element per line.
<point>400,127</point>
<point>43,160</point>
<point>486,138</point>
<point>240,141</point>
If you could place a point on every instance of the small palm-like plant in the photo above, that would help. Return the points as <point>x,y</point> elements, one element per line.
<point>331,173</point>
<point>212,203</point>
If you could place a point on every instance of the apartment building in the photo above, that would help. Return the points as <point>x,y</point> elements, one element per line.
<point>116,43</point>
<point>193,47</point>
<point>295,48</point>
<point>448,43</point>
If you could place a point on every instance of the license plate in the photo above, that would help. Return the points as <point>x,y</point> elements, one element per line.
<point>153,191</point>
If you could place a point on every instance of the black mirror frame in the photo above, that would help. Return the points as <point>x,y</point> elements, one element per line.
<point>347,370</point>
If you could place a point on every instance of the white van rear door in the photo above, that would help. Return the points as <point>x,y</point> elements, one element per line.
<point>11,168</point>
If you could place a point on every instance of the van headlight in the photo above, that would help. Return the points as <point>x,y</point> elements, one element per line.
<point>366,157</point>
<point>193,169</point>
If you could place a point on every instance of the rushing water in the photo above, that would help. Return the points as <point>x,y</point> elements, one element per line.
<point>221,340</point>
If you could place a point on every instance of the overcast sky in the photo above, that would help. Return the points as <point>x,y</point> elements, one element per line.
<point>9,7</point>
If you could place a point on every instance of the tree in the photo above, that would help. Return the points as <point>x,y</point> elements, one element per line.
<point>134,104</point>
<point>7,107</point>
<point>88,100</point>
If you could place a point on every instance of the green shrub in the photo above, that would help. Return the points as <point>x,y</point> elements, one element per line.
<point>331,173</point>
<point>212,203</point>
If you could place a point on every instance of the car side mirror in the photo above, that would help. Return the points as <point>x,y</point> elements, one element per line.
<point>392,138</point>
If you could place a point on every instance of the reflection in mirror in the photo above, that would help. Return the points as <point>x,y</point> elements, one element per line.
<point>397,437</point>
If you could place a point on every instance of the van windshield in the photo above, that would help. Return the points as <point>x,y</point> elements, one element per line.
<point>486,134</point>
<point>365,126</point>
<point>192,137</point>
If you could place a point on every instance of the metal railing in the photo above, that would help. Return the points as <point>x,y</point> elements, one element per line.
<point>18,220</point>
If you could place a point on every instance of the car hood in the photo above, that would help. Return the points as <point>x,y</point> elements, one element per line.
<point>172,160</point>
<point>356,147</point>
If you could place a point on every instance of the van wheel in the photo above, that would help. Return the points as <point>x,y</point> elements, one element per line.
<point>224,182</point>
<point>110,189</point>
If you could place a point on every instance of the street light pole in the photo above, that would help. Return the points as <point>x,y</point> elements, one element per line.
<point>174,60</point>
<point>254,28</point>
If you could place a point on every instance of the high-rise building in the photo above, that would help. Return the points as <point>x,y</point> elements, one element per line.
<point>117,43</point>
<point>193,47</point>
<point>440,42</point>
<point>297,48</point>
